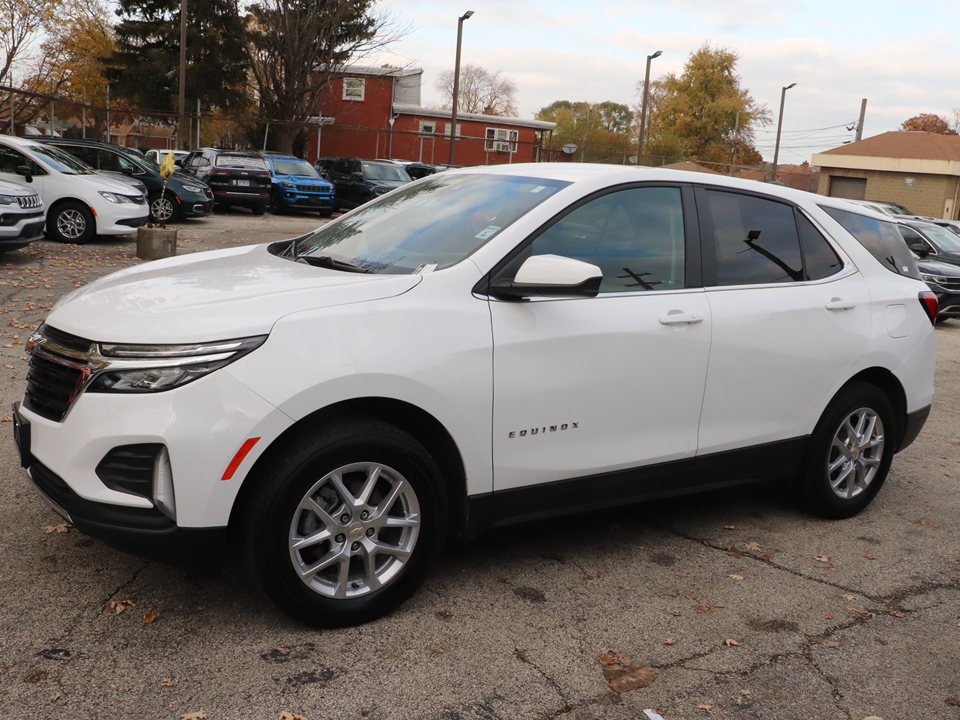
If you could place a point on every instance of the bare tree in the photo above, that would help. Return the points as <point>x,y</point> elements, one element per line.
<point>298,47</point>
<point>480,91</point>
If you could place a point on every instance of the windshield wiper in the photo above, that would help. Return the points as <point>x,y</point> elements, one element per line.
<point>325,261</point>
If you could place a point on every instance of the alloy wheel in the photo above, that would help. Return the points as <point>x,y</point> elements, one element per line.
<point>856,453</point>
<point>71,224</point>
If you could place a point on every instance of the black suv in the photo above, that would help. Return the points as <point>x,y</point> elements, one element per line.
<point>237,177</point>
<point>184,197</point>
<point>927,239</point>
<point>357,181</point>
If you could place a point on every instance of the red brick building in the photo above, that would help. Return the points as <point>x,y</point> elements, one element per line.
<point>377,113</point>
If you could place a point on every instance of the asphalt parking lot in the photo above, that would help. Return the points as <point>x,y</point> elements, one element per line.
<point>743,606</point>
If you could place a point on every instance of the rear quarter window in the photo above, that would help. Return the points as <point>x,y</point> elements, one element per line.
<point>880,238</point>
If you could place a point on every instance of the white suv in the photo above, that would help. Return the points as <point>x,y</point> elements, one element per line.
<point>81,203</point>
<point>477,348</point>
<point>21,216</point>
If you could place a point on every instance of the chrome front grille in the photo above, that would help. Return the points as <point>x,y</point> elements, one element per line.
<point>29,201</point>
<point>59,369</point>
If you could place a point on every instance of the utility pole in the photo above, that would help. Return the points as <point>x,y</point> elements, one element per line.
<point>456,85</point>
<point>776,150</point>
<point>182,106</point>
<point>863,112</point>
<point>643,106</point>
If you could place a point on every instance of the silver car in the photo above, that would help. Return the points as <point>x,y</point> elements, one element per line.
<point>21,216</point>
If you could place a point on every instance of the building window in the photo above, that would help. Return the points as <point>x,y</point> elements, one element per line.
<point>353,88</point>
<point>500,140</point>
<point>428,127</point>
<point>446,129</point>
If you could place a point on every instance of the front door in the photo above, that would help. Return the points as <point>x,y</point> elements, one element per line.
<point>594,385</point>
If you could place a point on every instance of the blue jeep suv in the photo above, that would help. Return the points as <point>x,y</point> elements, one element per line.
<point>296,185</point>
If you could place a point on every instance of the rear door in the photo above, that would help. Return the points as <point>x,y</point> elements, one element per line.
<point>789,320</point>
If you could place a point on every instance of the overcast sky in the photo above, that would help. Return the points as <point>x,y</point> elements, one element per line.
<point>904,57</point>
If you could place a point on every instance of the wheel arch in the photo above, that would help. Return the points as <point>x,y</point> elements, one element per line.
<point>890,385</point>
<point>61,200</point>
<point>409,418</point>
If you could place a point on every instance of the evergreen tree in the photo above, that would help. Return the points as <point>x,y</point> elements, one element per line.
<point>144,68</point>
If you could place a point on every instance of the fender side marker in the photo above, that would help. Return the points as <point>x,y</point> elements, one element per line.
<point>239,457</point>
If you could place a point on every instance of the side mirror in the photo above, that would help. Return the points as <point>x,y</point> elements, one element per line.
<point>178,163</point>
<point>128,171</point>
<point>920,249</point>
<point>550,276</point>
<point>25,171</point>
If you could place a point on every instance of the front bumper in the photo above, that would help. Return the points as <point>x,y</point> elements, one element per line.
<point>948,299</point>
<point>22,233</point>
<point>196,207</point>
<point>120,218</point>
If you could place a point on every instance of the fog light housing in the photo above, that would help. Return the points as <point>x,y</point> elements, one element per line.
<point>163,496</point>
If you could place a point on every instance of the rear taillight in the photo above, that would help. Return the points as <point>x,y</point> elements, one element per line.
<point>930,305</point>
<point>219,172</point>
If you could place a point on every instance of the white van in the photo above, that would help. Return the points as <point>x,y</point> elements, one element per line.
<point>81,203</point>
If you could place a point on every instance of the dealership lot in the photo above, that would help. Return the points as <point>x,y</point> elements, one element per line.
<point>743,606</point>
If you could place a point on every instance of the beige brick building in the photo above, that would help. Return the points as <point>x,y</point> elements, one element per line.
<point>918,170</point>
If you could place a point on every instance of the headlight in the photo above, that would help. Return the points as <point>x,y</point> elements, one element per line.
<point>938,279</point>
<point>8,199</point>
<point>193,188</point>
<point>115,197</point>
<point>290,185</point>
<point>155,368</point>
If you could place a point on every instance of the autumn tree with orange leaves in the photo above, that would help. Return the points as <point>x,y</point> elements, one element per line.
<point>928,122</point>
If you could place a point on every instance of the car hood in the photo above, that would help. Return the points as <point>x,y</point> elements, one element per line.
<point>935,267</point>
<point>388,184</point>
<point>304,179</point>
<point>211,296</point>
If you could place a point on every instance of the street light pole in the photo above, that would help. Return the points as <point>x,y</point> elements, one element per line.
<point>456,84</point>
<point>183,75</point>
<point>776,149</point>
<point>643,106</point>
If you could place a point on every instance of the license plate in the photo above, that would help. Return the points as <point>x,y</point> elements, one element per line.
<point>242,183</point>
<point>21,435</point>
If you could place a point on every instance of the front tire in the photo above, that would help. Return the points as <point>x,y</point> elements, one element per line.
<point>71,222</point>
<point>164,209</point>
<point>345,523</point>
<point>850,453</point>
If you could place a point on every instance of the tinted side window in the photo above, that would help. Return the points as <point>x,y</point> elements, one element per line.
<point>634,236</point>
<point>756,239</point>
<point>912,237</point>
<point>11,159</point>
<point>819,259</point>
<point>880,238</point>
<point>87,154</point>
<point>341,167</point>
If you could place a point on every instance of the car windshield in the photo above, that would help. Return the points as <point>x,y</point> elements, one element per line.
<point>294,167</point>
<point>388,173</point>
<point>429,225</point>
<point>943,239</point>
<point>60,161</point>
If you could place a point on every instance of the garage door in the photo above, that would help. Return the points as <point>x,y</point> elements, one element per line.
<point>848,188</point>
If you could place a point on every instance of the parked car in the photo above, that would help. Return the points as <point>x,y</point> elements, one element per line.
<point>478,348</point>
<point>21,215</point>
<point>158,156</point>
<point>885,208</point>
<point>323,165</point>
<point>236,177</point>
<point>184,196</point>
<point>943,279</point>
<point>296,185</point>
<point>357,181</point>
<point>929,240</point>
<point>419,170</point>
<point>951,225</point>
<point>81,203</point>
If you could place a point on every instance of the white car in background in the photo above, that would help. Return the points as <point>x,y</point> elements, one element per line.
<point>81,202</point>
<point>477,348</point>
<point>21,216</point>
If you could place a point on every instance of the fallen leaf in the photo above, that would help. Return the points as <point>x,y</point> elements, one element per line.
<point>753,546</point>
<point>873,717</point>
<point>437,650</point>
<point>735,577</point>
<point>149,617</point>
<point>118,606</point>
<point>821,558</point>
<point>881,641</point>
<point>851,598</point>
<point>167,682</point>
<point>58,696</point>
<point>926,523</point>
<point>831,643</point>
<point>198,715</point>
<point>61,528</point>
<point>708,708</point>
<point>622,675</point>
<point>669,641</point>
<point>730,642</point>
<point>729,527</point>
<point>768,556</point>
<point>869,557</point>
<point>859,611</point>
<point>291,716</point>
<point>7,418</point>
<point>734,554</point>
<point>952,701</point>
<point>896,614</point>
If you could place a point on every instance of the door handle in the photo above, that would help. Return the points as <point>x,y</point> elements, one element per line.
<point>676,317</point>
<point>839,304</point>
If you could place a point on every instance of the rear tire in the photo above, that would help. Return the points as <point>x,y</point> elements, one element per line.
<point>850,453</point>
<point>344,523</point>
<point>259,209</point>
<point>71,222</point>
<point>276,207</point>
